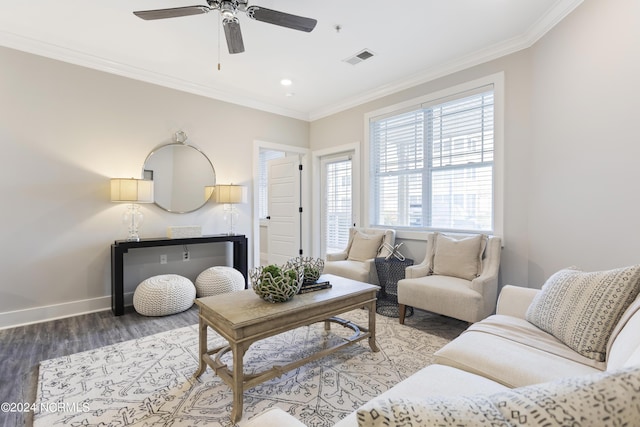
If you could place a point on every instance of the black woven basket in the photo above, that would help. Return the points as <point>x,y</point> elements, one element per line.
<point>390,271</point>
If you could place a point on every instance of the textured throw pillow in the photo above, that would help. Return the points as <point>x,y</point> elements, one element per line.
<point>607,399</point>
<point>474,411</point>
<point>458,257</point>
<point>364,246</point>
<point>582,309</point>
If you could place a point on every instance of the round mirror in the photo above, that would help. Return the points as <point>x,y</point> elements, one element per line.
<point>179,173</point>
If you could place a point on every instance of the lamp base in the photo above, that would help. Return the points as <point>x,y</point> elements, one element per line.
<point>230,214</point>
<point>133,218</point>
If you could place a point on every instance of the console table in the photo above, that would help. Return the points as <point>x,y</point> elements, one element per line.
<point>121,247</point>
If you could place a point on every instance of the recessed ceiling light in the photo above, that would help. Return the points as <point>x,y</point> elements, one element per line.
<point>285,82</point>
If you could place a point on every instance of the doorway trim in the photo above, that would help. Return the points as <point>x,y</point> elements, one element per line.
<point>289,149</point>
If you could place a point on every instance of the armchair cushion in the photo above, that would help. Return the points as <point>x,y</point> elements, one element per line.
<point>582,309</point>
<point>354,270</point>
<point>365,246</point>
<point>458,257</point>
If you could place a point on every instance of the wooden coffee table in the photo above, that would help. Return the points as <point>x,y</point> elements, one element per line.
<point>242,318</point>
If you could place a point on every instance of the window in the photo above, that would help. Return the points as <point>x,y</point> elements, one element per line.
<point>263,180</point>
<point>432,165</point>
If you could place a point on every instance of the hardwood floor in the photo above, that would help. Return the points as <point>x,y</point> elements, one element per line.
<point>22,348</point>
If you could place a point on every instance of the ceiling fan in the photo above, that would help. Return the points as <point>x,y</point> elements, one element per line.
<point>229,9</point>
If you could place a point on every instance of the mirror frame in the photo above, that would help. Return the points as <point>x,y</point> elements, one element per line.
<point>202,192</point>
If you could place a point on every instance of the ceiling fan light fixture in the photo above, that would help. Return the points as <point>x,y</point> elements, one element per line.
<point>227,10</point>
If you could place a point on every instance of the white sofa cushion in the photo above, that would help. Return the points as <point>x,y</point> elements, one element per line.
<point>458,257</point>
<point>582,309</point>
<point>457,411</point>
<point>434,380</point>
<point>624,344</point>
<point>609,398</point>
<point>273,417</point>
<point>508,360</point>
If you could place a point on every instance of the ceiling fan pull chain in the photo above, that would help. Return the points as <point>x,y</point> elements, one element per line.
<point>219,25</point>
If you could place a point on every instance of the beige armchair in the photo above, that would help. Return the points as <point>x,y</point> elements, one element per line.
<point>356,261</point>
<point>458,278</point>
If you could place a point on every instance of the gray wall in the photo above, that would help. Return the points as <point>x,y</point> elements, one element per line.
<point>571,144</point>
<point>571,150</point>
<point>64,132</point>
<point>584,207</point>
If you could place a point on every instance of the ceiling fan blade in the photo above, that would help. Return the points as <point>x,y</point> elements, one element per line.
<point>173,12</point>
<point>234,35</point>
<point>280,18</point>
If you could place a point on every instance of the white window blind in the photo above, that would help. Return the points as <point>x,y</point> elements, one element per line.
<point>432,167</point>
<point>338,196</point>
<point>263,179</point>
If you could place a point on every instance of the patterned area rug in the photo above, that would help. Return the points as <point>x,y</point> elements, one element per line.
<point>146,382</point>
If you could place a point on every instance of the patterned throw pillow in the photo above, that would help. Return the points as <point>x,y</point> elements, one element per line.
<point>582,309</point>
<point>474,411</point>
<point>607,399</point>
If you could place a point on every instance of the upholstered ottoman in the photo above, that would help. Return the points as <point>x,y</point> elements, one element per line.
<point>219,280</point>
<point>163,295</point>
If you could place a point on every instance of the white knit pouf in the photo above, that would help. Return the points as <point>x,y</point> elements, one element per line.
<point>163,295</point>
<point>219,280</point>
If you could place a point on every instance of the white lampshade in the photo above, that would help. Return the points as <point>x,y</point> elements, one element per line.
<point>230,194</point>
<point>131,190</point>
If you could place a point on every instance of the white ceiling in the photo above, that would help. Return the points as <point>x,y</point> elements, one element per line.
<point>413,41</point>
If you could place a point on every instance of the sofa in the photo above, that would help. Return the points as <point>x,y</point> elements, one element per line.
<point>508,369</point>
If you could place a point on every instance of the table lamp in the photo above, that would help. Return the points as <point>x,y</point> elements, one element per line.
<point>132,191</point>
<point>230,195</point>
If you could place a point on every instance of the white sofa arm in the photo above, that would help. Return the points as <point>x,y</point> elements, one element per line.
<point>515,300</point>
<point>337,256</point>
<point>274,417</point>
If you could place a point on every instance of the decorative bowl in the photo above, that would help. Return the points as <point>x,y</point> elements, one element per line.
<point>311,267</point>
<point>274,283</point>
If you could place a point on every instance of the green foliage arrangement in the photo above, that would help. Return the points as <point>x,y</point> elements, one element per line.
<point>311,267</point>
<point>273,283</point>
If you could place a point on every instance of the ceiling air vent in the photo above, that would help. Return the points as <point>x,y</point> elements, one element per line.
<point>359,57</point>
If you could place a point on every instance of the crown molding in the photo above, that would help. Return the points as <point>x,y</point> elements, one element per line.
<point>83,59</point>
<point>556,14</point>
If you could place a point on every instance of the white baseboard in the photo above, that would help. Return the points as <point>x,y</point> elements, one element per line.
<point>11,319</point>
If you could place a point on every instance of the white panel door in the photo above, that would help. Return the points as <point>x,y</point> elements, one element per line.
<point>284,209</point>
